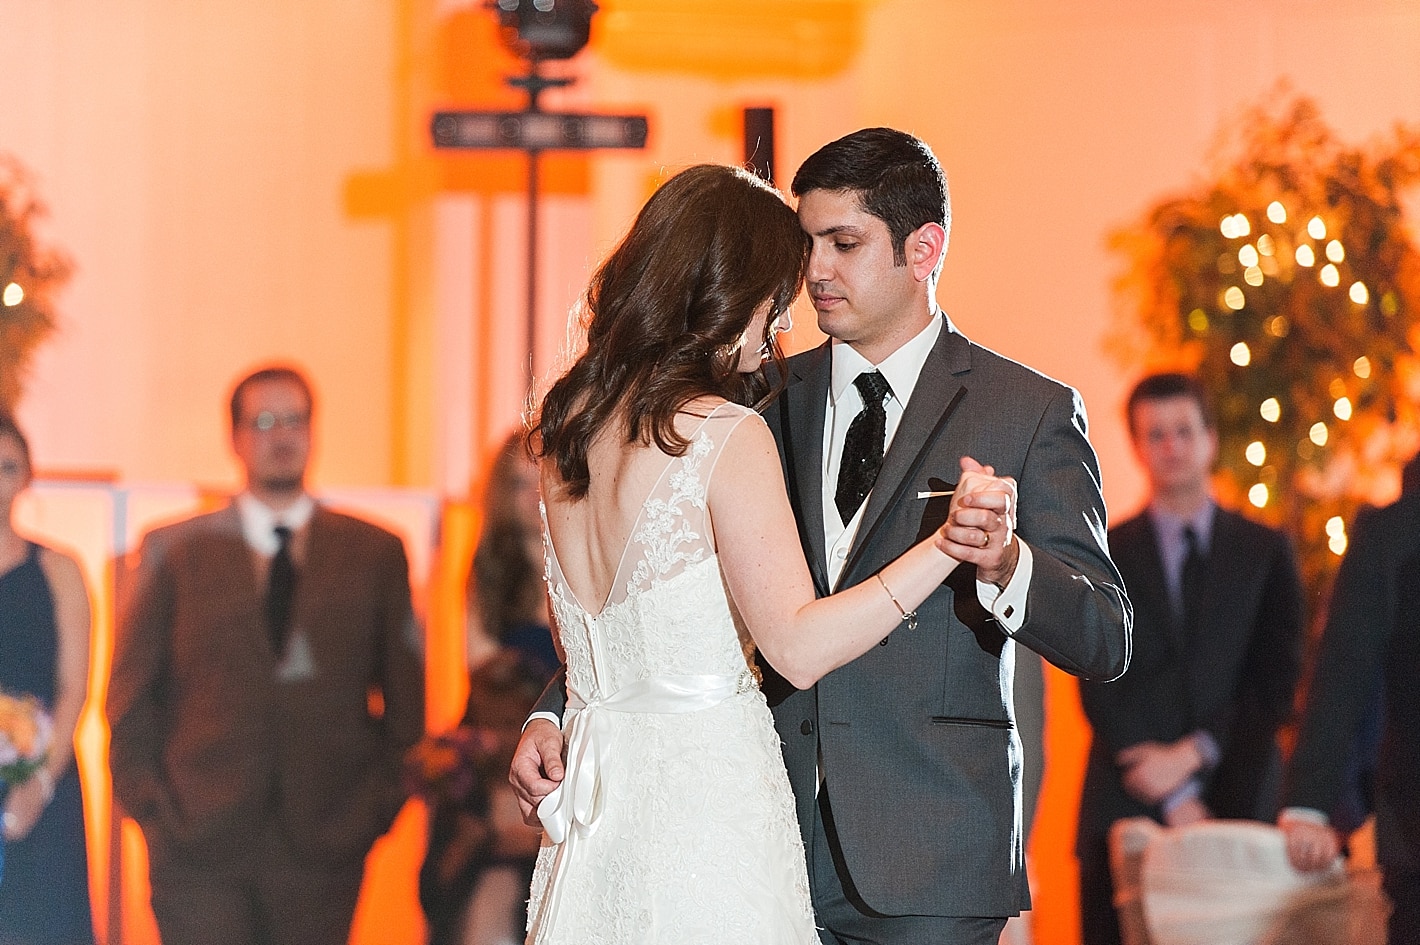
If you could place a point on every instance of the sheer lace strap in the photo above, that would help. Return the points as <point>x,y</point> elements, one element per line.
<point>673,532</point>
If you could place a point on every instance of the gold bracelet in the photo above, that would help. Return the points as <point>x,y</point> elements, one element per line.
<point>910,616</point>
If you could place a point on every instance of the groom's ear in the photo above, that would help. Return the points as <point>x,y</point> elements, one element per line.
<point>925,247</point>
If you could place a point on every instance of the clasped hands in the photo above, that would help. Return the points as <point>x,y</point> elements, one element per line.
<point>981,526</point>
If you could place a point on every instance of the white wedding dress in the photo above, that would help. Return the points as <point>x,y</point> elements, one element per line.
<point>675,819</point>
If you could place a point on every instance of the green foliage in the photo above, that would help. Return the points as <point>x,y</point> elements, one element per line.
<point>30,276</point>
<point>1332,342</point>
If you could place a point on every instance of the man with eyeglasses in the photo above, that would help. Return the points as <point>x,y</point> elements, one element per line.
<point>266,684</point>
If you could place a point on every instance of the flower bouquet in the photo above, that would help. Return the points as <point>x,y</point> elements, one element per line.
<point>25,733</point>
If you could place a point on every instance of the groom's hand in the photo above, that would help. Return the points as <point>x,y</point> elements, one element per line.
<point>981,527</point>
<point>537,766</point>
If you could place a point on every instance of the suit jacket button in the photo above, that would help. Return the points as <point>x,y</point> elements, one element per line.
<point>806,727</point>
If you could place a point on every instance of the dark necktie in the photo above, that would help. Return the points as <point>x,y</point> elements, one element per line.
<point>1190,589</point>
<point>280,591</point>
<point>863,446</point>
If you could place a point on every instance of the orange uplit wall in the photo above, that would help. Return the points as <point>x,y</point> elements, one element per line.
<point>243,180</point>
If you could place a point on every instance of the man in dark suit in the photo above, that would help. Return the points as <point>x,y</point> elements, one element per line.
<point>1190,731</point>
<point>906,763</point>
<point>1372,639</point>
<point>266,684</point>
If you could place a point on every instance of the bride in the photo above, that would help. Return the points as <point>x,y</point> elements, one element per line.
<point>672,555</point>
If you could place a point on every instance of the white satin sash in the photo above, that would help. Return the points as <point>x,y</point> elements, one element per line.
<point>576,804</point>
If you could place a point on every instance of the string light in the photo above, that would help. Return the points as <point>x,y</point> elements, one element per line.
<point>1256,452</point>
<point>1265,246</point>
<point>1318,433</point>
<point>1335,252</point>
<point>1316,228</point>
<point>1278,326</point>
<point>1361,367</point>
<point>1234,299</point>
<point>1257,495</point>
<point>1330,276</point>
<point>1336,534</point>
<point>1276,212</point>
<point>1247,255</point>
<point>1253,275</point>
<point>1305,256</point>
<point>1359,293</point>
<point>1235,226</point>
<point>1198,320</point>
<point>1240,354</point>
<point>1271,410</point>
<point>1342,408</point>
<point>14,295</point>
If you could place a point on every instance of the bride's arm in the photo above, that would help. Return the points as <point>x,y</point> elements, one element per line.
<point>805,638</point>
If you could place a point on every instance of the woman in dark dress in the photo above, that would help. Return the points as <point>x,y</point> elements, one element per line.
<point>474,881</point>
<point>44,652</point>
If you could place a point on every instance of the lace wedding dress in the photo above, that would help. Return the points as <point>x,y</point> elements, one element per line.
<point>675,822</point>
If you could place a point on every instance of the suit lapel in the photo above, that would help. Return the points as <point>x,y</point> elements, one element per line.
<point>804,407</point>
<point>938,392</point>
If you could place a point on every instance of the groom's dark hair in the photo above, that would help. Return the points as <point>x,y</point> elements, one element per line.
<point>896,176</point>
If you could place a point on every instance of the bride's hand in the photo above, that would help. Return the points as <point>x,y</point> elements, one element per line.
<point>981,523</point>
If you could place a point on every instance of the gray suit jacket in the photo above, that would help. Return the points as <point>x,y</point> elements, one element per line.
<point>916,739</point>
<point>207,745</point>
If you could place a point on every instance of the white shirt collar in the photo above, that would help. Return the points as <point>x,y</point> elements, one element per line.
<point>259,520</point>
<point>901,368</point>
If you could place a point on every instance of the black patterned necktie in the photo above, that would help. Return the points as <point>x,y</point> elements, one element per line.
<point>863,446</point>
<point>1190,590</point>
<point>280,591</point>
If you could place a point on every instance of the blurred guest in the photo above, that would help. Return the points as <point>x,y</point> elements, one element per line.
<point>507,598</point>
<point>1189,732</point>
<point>1372,639</point>
<point>480,855</point>
<point>44,652</point>
<point>266,685</point>
<point>479,863</point>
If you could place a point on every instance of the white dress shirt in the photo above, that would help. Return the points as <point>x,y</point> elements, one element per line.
<point>259,521</point>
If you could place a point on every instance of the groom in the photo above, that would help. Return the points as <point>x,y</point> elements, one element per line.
<point>905,763</point>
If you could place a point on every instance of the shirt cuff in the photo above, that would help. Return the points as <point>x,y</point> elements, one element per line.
<point>1207,746</point>
<point>551,717</point>
<point>1008,604</point>
<point>1186,791</point>
<point>1307,814</point>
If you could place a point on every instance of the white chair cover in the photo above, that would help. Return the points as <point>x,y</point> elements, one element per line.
<point>1220,882</point>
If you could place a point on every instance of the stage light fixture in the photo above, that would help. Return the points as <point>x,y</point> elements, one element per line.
<point>545,29</point>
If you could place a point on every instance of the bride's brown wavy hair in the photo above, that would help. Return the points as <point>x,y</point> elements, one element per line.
<point>667,312</point>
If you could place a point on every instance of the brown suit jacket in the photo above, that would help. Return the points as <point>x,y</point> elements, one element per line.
<point>209,746</point>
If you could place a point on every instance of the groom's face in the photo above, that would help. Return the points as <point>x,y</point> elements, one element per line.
<point>861,293</point>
